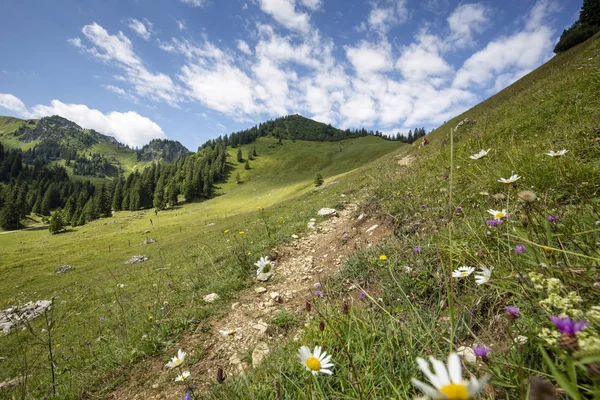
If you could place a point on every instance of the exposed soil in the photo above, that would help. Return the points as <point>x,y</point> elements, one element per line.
<point>298,266</point>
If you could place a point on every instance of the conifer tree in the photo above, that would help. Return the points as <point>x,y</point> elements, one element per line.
<point>57,224</point>
<point>247,165</point>
<point>160,201</point>
<point>318,179</point>
<point>239,156</point>
<point>117,200</point>
<point>172,193</point>
<point>9,216</point>
<point>254,151</point>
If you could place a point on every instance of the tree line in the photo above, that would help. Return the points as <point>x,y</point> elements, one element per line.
<point>41,188</point>
<point>584,28</point>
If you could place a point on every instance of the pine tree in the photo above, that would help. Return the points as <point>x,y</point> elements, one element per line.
<point>46,203</point>
<point>117,200</point>
<point>590,13</point>
<point>160,202</point>
<point>9,216</point>
<point>172,193</point>
<point>239,156</point>
<point>254,151</point>
<point>247,165</point>
<point>69,210</point>
<point>318,179</point>
<point>57,224</point>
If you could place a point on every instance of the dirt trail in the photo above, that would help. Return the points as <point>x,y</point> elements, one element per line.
<point>298,266</point>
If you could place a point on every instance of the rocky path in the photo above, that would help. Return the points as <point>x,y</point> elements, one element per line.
<point>298,266</point>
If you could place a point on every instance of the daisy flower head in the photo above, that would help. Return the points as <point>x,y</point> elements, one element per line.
<point>315,362</point>
<point>447,381</point>
<point>177,360</point>
<point>512,179</point>
<point>183,376</point>
<point>264,265</point>
<point>462,272</point>
<point>483,275</point>
<point>559,153</point>
<point>479,155</point>
<point>498,214</point>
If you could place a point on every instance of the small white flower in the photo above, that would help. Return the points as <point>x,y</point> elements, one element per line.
<point>512,179</point>
<point>479,155</point>
<point>264,265</point>
<point>462,272</point>
<point>229,331</point>
<point>183,376</point>
<point>484,275</point>
<point>559,153</point>
<point>177,360</point>
<point>497,214</point>
<point>447,382</point>
<point>120,285</point>
<point>316,361</point>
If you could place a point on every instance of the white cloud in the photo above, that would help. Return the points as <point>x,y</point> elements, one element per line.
<point>464,21</point>
<point>284,12</point>
<point>127,127</point>
<point>14,104</point>
<point>122,92</point>
<point>370,58</point>
<point>142,28</point>
<point>385,15</point>
<point>180,24</point>
<point>420,60</point>
<point>314,5</point>
<point>243,47</point>
<point>194,3</point>
<point>118,49</point>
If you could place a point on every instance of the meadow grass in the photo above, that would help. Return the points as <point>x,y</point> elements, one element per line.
<point>413,307</point>
<point>108,315</point>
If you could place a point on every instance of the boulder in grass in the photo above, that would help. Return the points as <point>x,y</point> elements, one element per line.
<point>148,241</point>
<point>326,212</point>
<point>63,269</point>
<point>209,298</point>
<point>15,316</point>
<point>136,259</point>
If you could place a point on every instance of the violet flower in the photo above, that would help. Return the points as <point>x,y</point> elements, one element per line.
<point>417,250</point>
<point>513,311</point>
<point>481,350</point>
<point>318,293</point>
<point>363,294</point>
<point>568,326</point>
<point>187,396</point>
<point>520,249</point>
<point>551,219</point>
<point>493,222</point>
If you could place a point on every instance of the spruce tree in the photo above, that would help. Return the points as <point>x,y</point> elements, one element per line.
<point>117,200</point>
<point>46,203</point>
<point>239,156</point>
<point>57,224</point>
<point>247,165</point>
<point>254,151</point>
<point>590,13</point>
<point>9,216</point>
<point>160,202</point>
<point>172,194</point>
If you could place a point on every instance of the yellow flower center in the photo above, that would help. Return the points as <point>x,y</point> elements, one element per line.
<point>499,215</point>
<point>455,392</point>
<point>464,273</point>
<point>313,364</point>
<point>177,361</point>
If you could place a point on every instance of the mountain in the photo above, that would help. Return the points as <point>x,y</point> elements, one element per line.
<point>85,152</point>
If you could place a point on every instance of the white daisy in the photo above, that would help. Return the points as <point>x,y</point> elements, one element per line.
<point>512,179</point>
<point>497,214</point>
<point>484,275</point>
<point>120,285</point>
<point>482,153</point>
<point>559,153</point>
<point>264,265</point>
<point>178,360</point>
<point>316,361</point>
<point>447,382</point>
<point>183,376</point>
<point>462,272</point>
<point>229,331</point>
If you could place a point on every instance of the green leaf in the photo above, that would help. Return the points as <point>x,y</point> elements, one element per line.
<point>561,379</point>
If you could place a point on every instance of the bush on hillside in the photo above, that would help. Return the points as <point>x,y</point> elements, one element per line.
<point>575,35</point>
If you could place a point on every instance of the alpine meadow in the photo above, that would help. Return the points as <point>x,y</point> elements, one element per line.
<point>366,200</point>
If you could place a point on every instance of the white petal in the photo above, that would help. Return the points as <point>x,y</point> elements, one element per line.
<point>326,371</point>
<point>474,387</point>
<point>424,366</point>
<point>325,360</point>
<point>328,365</point>
<point>440,371</point>
<point>428,390</point>
<point>317,352</point>
<point>454,368</point>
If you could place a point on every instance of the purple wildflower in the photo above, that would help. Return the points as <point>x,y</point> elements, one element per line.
<point>458,209</point>
<point>493,222</point>
<point>520,249</point>
<point>363,294</point>
<point>551,219</point>
<point>481,350</point>
<point>101,319</point>
<point>568,326</point>
<point>513,311</point>
<point>318,293</point>
<point>417,250</point>
<point>187,396</point>
<point>317,285</point>
<point>346,236</point>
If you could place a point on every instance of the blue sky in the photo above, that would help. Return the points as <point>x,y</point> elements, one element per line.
<point>191,70</point>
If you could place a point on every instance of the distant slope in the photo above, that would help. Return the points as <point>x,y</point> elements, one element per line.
<point>84,152</point>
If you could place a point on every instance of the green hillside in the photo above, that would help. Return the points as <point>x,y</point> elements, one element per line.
<point>190,245</point>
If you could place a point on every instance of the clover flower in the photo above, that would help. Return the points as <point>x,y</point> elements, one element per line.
<point>315,362</point>
<point>511,179</point>
<point>447,381</point>
<point>481,350</point>
<point>520,249</point>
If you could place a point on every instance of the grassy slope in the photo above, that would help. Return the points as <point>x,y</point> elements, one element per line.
<point>423,311</point>
<point>192,257</point>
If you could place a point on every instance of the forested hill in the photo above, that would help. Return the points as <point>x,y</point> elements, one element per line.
<point>297,127</point>
<point>84,152</point>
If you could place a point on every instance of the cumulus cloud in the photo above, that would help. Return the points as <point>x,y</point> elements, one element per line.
<point>384,15</point>
<point>284,12</point>
<point>142,28</point>
<point>127,127</point>
<point>465,20</point>
<point>422,59</point>
<point>369,58</point>
<point>314,5</point>
<point>194,3</point>
<point>243,47</point>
